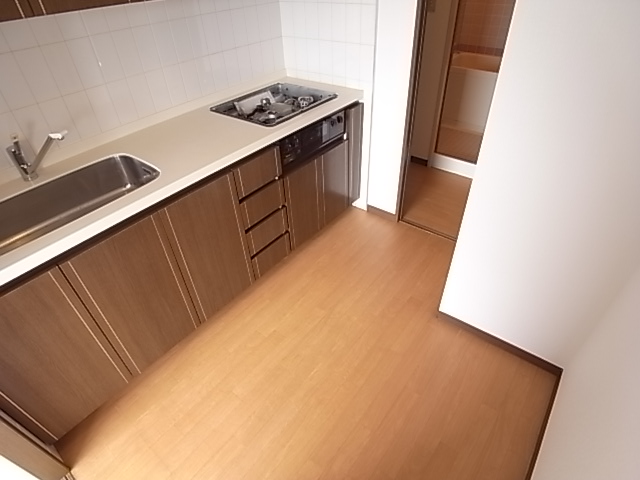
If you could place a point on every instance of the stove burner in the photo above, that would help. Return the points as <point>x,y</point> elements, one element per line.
<point>274,104</point>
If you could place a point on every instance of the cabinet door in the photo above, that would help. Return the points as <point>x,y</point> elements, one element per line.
<point>354,135</point>
<point>59,6</point>
<point>55,365</point>
<point>206,232</point>
<point>302,191</point>
<point>131,284</point>
<point>14,10</point>
<point>335,182</point>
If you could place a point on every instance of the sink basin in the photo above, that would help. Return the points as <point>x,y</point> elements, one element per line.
<point>51,205</point>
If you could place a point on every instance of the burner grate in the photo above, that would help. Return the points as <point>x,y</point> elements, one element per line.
<point>275,104</point>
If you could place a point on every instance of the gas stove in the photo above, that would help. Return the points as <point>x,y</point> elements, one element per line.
<point>275,104</point>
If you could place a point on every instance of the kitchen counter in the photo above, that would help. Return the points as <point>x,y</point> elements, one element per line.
<point>185,149</point>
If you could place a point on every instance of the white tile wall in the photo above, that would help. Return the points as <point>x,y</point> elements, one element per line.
<point>95,70</point>
<point>330,41</point>
<point>333,42</point>
<point>92,71</point>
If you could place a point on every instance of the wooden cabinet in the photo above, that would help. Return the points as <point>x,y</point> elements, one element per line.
<point>14,10</point>
<point>354,119</point>
<point>207,235</point>
<point>271,255</point>
<point>317,192</point>
<point>302,191</point>
<point>268,230</point>
<point>131,284</point>
<point>335,183</point>
<point>56,367</point>
<point>71,337</point>
<point>59,6</point>
<point>263,203</point>
<point>257,171</point>
<point>260,196</point>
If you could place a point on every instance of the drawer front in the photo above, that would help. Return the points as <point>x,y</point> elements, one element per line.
<point>271,255</point>
<point>257,172</point>
<point>262,204</point>
<point>268,230</point>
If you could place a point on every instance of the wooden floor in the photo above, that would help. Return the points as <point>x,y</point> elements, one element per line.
<point>459,143</point>
<point>334,366</point>
<point>435,199</point>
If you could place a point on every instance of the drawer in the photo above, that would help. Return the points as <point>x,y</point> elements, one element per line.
<point>266,231</point>
<point>257,171</point>
<point>271,255</point>
<point>262,203</point>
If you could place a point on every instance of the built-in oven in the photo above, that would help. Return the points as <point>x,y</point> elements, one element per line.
<point>305,143</point>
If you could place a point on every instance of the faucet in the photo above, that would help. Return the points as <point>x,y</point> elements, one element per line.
<point>28,170</point>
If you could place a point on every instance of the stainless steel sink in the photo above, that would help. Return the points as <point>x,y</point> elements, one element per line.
<point>51,205</point>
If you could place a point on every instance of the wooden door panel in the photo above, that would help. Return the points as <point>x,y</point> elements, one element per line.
<point>132,286</point>
<point>355,116</point>
<point>261,204</point>
<point>55,365</point>
<point>272,255</point>
<point>257,172</point>
<point>267,231</point>
<point>335,176</point>
<point>303,202</point>
<point>59,6</point>
<point>10,11</point>
<point>208,236</point>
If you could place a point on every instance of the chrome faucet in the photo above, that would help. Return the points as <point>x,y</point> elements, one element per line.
<point>28,170</point>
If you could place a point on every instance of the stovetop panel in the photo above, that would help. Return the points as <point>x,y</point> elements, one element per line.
<point>274,104</point>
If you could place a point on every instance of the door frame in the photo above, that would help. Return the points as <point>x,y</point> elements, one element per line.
<point>420,31</point>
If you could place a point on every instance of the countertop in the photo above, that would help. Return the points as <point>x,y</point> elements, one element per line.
<point>185,149</point>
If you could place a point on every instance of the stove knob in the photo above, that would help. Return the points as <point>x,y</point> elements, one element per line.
<point>340,119</point>
<point>332,122</point>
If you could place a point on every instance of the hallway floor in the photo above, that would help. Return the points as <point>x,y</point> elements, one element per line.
<point>435,199</point>
<point>333,366</point>
<point>458,143</point>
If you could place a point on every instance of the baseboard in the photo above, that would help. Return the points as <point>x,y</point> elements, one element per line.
<point>453,165</point>
<point>529,357</point>
<point>509,347</point>
<point>543,429</point>
<point>381,213</point>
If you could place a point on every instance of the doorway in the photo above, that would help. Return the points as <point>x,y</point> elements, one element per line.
<point>457,55</point>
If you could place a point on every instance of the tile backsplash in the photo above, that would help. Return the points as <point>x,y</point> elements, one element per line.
<point>333,42</point>
<point>95,70</point>
<point>330,42</point>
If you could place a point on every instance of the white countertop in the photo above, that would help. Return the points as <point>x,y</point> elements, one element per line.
<point>185,149</point>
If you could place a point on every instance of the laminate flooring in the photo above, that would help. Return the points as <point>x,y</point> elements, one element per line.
<point>333,366</point>
<point>435,199</point>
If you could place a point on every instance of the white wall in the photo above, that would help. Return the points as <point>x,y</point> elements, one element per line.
<point>333,43</point>
<point>394,49</point>
<point>551,229</point>
<point>92,71</point>
<point>10,471</point>
<point>594,430</point>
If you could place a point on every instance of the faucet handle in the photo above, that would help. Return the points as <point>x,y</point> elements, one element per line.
<point>16,143</point>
